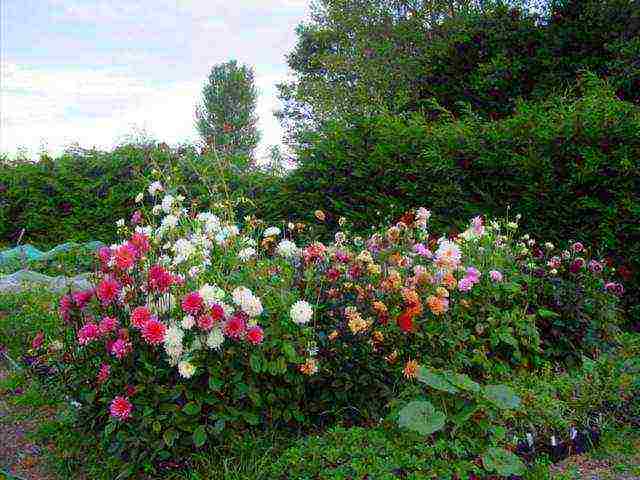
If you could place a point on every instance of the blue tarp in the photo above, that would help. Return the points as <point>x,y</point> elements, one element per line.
<point>29,252</point>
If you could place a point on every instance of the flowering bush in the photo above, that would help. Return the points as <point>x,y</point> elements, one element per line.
<point>197,328</point>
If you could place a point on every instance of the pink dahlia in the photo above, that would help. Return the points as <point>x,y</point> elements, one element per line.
<point>120,408</point>
<point>108,325</point>
<point>217,312</point>
<point>154,331</point>
<point>140,242</point>
<point>465,284</point>
<point>422,250</point>
<point>235,326</point>
<point>192,302</point>
<point>65,307</point>
<point>103,373</point>
<point>255,335</point>
<point>104,255</point>
<point>140,316</point>
<point>88,333</point>
<point>206,321</point>
<point>496,276</point>
<point>119,348</point>
<point>125,256</point>
<point>82,298</point>
<point>473,274</point>
<point>159,279</point>
<point>108,290</point>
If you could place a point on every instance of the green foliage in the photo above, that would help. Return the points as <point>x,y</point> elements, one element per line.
<point>80,195</point>
<point>359,58</point>
<point>569,166</point>
<point>379,452</point>
<point>23,315</point>
<point>226,119</point>
<point>502,462</point>
<point>421,416</point>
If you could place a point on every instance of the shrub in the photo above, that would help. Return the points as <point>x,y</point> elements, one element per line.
<point>467,56</point>
<point>380,452</point>
<point>80,195</point>
<point>197,331</point>
<point>570,167</point>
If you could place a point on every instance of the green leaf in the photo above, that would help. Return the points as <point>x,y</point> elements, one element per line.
<point>465,414</point>
<point>169,436</point>
<point>199,436</point>
<point>544,313</point>
<point>503,462</point>
<point>255,361</point>
<point>289,352</point>
<point>421,416</point>
<point>502,396</point>
<point>463,382</point>
<point>215,384</point>
<point>435,380</point>
<point>191,408</point>
<point>156,427</point>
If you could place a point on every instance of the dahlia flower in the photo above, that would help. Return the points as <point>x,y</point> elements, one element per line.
<point>140,316</point>
<point>215,339</point>
<point>187,322</point>
<point>120,408</point>
<point>154,331</point>
<point>287,249</point>
<point>125,256</point>
<point>108,290</point>
<point>301,312</point>
<point>448,254</point>
<point>108,325</point>
<point>235,326</point>
<point>255,335</point>
<point>192,303</point>
<point>120,348</point>
<point>103,373</point>
<point>88,333</point>
<point>186,369</point>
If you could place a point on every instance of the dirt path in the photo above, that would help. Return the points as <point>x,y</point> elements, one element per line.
<point>19,456</point>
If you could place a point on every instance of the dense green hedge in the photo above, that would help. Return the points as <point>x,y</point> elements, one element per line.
<point>80,195</point>
<point>570,167</point>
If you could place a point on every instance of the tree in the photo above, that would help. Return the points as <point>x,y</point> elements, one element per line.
<point>359,58</point>
<point>226,119</point>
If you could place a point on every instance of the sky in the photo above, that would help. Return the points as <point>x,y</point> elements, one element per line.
<point>96,71</point>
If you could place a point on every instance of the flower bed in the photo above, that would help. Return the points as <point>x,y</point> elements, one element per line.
<point>198,329</point>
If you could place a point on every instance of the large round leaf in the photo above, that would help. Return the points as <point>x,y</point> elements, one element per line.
<point>435,380</point>
<point>502,462</point>
<point>502,396</point>
<point>463,382</point>
<point>421,416</point>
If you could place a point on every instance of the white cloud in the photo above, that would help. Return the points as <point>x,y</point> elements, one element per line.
<point>98,108</point>
<point>102,67</point>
